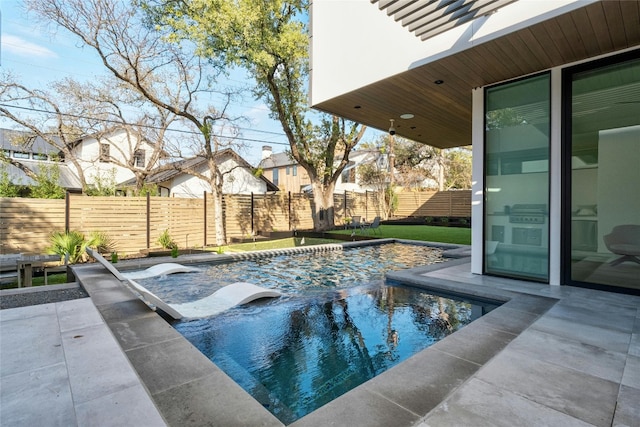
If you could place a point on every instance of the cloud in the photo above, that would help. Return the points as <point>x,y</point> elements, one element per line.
<point>19,46</point>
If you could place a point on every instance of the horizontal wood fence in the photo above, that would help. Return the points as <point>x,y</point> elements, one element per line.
<point>135,223</point>
<point>434,203</point>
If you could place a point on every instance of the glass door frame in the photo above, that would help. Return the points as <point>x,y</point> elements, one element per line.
<point>566,170</point>
<point>485,236</point>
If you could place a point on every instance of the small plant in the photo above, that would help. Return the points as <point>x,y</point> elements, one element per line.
<point>74,243</point>
<point>114,257</point>
<point>174,252</point>
<point>428,219</point>
<point>219,250</point>
<point>444,220</point>
<point>166,241</point>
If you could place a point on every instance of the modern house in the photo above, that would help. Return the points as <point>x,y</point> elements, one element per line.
<point>547,93</point>
<point>238,177</point>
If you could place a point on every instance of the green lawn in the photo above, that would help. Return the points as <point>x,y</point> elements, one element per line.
<point>427,233</point>
<point>276,244</point>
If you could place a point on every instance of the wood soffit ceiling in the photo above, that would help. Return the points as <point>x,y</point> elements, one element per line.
<point>442,112</point>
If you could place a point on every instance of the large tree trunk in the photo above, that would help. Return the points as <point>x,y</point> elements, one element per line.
<point>323,214</point>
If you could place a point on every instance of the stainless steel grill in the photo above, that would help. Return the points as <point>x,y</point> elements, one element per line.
<point>528,214</point>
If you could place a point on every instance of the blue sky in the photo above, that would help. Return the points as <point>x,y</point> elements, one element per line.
<point>39,54</point>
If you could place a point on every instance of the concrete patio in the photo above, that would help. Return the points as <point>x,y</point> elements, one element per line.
<point>548,356</point>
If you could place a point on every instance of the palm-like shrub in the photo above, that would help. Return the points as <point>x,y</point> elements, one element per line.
<point>75,243</point>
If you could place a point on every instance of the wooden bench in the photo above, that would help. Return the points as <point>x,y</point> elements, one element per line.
<point>9,267</point>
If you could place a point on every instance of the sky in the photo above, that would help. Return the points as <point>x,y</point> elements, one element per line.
<point>40,54</point>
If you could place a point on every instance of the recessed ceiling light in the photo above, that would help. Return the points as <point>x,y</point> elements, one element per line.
<point>407,116</point>
<point>357,106</point>
<point>439,82</point>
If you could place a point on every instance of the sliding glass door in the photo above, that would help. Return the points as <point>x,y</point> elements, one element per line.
<point>517,142</point>
<point>602,173</point>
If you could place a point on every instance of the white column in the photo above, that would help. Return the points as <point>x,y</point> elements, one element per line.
<point>555,179</point>
<point>477,181</point>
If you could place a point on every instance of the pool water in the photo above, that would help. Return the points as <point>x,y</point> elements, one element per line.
<point>339,325</point>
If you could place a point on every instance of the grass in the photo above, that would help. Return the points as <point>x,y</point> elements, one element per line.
<point>427,233</point>
<point>276,244</point>
<point>52,279</point>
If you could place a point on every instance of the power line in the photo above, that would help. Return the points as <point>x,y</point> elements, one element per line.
<point>77,116</point>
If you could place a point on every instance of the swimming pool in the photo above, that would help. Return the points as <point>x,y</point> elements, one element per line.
<point>339,325</point>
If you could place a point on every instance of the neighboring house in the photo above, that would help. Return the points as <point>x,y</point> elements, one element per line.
<point>96,155</point>
<point>239,177</point>
<point>100,156</point>
<point>547,93</point>
<point>288,175</point>
<point>34,153</point>
<point>283,171</point>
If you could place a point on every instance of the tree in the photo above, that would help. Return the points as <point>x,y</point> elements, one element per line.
<point>269,39</point>
<point>447,168</point>
<point>168,75</point>
<point>54,129</point>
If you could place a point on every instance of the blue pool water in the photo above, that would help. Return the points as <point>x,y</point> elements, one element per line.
<point>339,325</point>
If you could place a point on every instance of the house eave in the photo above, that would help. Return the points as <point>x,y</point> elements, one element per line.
<point>439,93</point>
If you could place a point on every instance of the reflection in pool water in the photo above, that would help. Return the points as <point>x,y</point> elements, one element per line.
<point>340,324</point>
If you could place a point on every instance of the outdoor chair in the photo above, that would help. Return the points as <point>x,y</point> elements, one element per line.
<point>355,222</point>
<point>624,240</point>
<point>375,225</point>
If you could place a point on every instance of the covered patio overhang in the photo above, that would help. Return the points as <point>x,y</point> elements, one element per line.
<point>438,93</point>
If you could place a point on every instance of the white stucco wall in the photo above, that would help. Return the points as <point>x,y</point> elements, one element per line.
<point>237,180</point>
<point>122,149</point>
<point>353,43</point>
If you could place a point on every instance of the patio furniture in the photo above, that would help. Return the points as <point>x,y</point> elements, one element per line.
<point>624,240</point>
<point>8,267</point>
<point>355,222</point>
<point>375,225</point>
<point>26,263</point>
<point>221,300</point>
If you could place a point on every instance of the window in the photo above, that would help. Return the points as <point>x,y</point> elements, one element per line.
<point>275,176</point>
<point>287,170</point>
<point>20,155</point>
<point>602,154</point>
<point>295,170</point>
<point>139,158</point>
<point>517,143</point>
<point>349,173</point>
<point>37,156</point>
<point>104,153</point>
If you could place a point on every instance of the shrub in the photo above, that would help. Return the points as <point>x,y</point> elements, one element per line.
<point>166,241</point>
<point>75,244</point>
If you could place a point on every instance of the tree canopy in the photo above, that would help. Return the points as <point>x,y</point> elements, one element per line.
<point>269,39</point>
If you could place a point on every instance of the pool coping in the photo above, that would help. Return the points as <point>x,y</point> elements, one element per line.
<point>190,389</point>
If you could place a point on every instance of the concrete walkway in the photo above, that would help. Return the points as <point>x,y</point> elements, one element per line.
<point>556,356</point>
<point>577,365</point>
<point>61,366</point>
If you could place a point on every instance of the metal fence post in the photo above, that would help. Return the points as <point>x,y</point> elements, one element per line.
<point>252,215</point>
<point>205,219</point>
<point>148,220</point>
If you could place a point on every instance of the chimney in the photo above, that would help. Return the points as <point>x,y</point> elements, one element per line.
<point>266,151</point>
